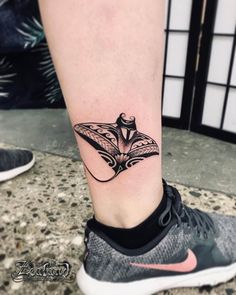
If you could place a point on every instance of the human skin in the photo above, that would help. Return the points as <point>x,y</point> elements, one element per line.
<point>108,57</point>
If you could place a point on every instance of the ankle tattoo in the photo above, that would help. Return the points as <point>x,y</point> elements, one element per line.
<point>120,144</point>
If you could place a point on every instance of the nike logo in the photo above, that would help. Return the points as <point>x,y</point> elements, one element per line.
<point>189,264</point>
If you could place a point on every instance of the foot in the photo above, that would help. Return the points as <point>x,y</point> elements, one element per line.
<point>193,250</point>
<point>14,162</point>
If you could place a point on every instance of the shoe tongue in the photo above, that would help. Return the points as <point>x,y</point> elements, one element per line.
<point>177,203</point>
<point>173,200</point>
<point>175,197</point>
<point>179,207</point>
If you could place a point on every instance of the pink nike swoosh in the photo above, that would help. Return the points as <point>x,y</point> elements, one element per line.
<point>189,264</point>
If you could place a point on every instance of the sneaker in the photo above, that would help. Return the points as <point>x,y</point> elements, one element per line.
<point>194,249</point>
<point>14,162</point>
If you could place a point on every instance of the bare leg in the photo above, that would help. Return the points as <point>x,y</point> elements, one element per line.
<point>108,56</point>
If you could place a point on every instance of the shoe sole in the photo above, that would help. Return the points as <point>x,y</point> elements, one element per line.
<point>6,175</point>
<point>212,277</point>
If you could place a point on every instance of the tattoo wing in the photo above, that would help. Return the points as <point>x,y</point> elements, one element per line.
<point>143,147</point>
<point>103,137</point>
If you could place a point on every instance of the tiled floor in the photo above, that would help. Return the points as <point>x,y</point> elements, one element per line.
<point>43,213</point>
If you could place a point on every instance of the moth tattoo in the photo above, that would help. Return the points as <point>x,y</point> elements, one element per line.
<point>120,144</point>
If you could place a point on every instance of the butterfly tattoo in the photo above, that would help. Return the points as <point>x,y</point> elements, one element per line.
<point>120,144</point>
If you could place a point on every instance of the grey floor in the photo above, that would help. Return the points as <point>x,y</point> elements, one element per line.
<point>188,158</point>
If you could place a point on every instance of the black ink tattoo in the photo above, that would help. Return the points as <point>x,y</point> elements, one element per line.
<point>120,144</point>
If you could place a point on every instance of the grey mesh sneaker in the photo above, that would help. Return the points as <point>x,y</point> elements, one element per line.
<point>195,249</point>
<point>14,162</point>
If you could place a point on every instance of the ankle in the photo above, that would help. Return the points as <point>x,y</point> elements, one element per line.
<point>130,213</point>
<point>129,235</point>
